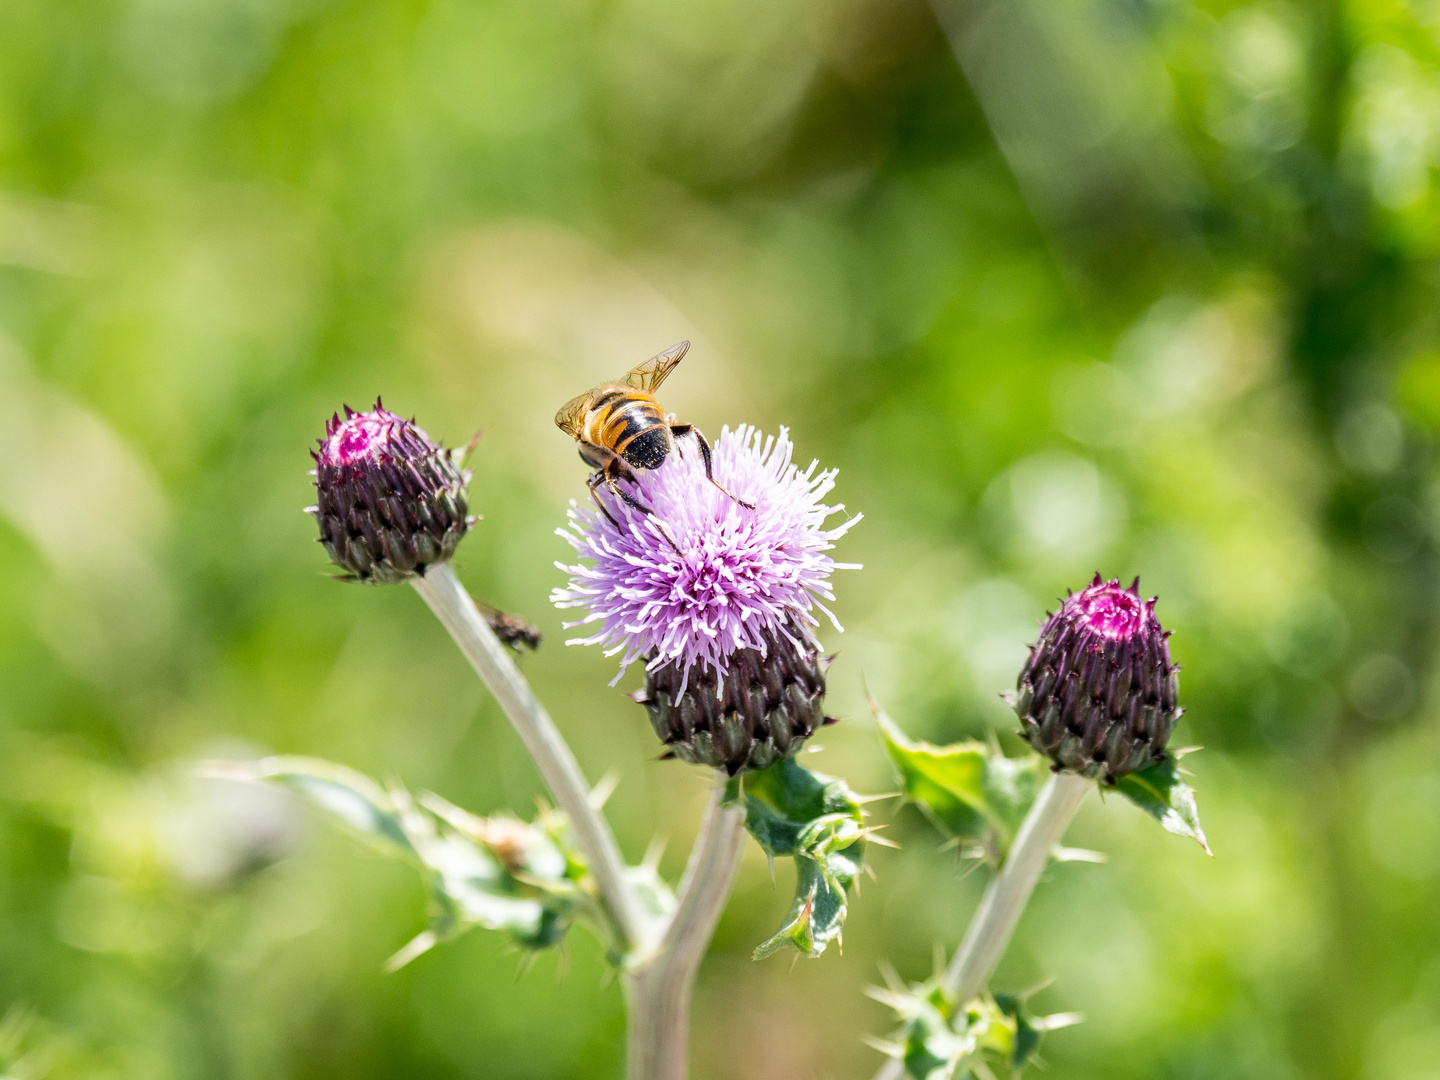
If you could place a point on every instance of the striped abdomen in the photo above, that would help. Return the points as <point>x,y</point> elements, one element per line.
<point>632,424</point>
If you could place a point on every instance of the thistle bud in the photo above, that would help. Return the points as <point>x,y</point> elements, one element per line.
<point>715,598</point>
<point>1098,694</point>
<point>761,709</point>
<point>391,501</point>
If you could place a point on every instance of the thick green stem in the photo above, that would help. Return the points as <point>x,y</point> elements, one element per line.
<point>453,606</point>
<point>658,991</point>
<point>1008,892</point>
<point>666,956</point>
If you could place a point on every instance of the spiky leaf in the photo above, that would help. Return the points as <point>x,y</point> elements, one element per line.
<point>972,792</point>
<point>817,821</point>
<point>1161,793</point>
<point>355,801</point>
<point>521,878</point>
<point>989,1035</point>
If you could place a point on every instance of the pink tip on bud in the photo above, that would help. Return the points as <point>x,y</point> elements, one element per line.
<point>1110,611</point>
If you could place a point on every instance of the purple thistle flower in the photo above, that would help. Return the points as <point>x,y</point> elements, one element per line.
<point>724,629</point>
<point>1098,694</point>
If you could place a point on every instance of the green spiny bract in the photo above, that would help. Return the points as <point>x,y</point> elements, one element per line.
<point>820,823</point>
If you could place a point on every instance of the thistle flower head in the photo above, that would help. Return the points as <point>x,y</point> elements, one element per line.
<point>1098,694</point>
<point>738,576</point>
<point>723,617</point>
<point>391,500</point>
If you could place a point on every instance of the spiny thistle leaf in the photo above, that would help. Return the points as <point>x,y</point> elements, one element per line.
<point>817,821</point>
<point>356,801</point>
<point>938,1041</point>
<point>969,790</point>
<point>522,878</point>
<point>1161,793</point>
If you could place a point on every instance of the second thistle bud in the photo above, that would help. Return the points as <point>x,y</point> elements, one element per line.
<point>1098,694</point>
<point>391,501</point>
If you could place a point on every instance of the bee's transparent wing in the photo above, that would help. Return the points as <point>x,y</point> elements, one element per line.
<point>649,375</point>
<point>568,418</point>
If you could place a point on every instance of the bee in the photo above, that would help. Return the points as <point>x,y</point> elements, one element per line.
<point>620,427</point>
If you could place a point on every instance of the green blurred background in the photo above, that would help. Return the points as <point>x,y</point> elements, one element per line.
<point>1142,286</point>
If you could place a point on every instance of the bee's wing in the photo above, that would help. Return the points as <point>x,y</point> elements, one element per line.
<point>568,418</point>
<point>649,375</point>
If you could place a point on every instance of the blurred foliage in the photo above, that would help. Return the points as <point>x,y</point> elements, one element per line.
<point>1137,286</point>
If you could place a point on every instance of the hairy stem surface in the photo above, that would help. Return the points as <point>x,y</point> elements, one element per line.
<point>659,990</point>
<point>453,606</point>
<point>1008,892</point>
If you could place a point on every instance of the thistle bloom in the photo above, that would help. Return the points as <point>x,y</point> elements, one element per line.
<point>724,625</point>
<point>1098,694</point>
<point>391,501</point>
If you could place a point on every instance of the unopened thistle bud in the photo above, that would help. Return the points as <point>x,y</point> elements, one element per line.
<point>1098,694</point>
<point>722,618</point>
<point>391,501</point>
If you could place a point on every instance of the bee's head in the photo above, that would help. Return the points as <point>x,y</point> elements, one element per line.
<point>593,455</point>
<point>648,449</point>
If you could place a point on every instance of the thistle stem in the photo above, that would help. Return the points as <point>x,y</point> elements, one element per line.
<point>453,606</point>
<point>659,990</point>
<point>1008,892</point>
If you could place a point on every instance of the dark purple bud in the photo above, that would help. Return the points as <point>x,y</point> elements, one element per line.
<point>759,708</point>
<point>1098,693</point>
<point>391,501</point>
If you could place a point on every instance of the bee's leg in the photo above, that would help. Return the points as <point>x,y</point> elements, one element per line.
<point>596,479</point>
<point>612,467</point>
<point>679,430</point>
<point>625,497</point>
<point>636,504</point>
<point>614,471</point>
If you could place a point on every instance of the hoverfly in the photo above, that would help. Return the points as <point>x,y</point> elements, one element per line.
<point>621,427</point>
